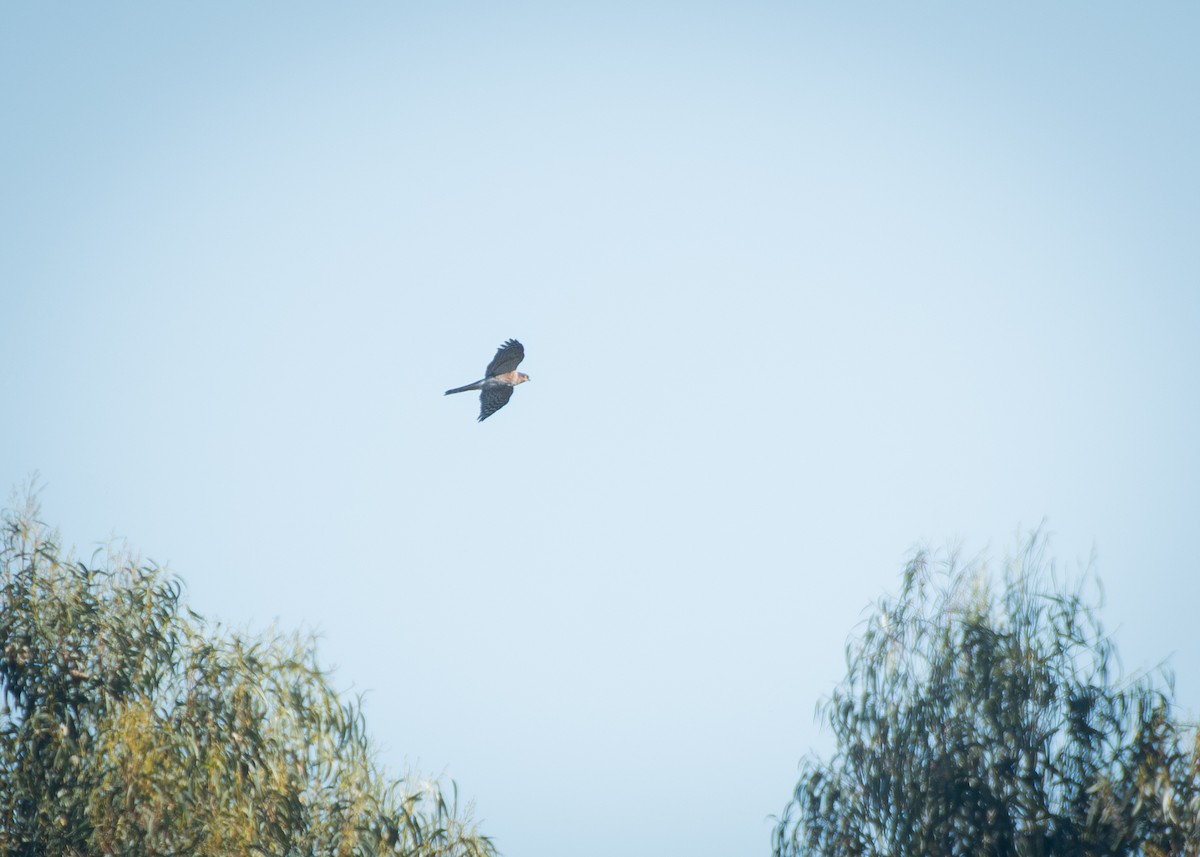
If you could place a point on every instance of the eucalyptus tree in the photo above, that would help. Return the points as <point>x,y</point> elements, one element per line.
<point>989,716</point>
<point>130,725</point>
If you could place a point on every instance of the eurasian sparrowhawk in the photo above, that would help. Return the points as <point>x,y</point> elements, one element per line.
<point>499,379</point>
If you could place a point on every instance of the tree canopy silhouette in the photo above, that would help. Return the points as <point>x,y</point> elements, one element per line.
<point>978,718</point>
<point>130,725</point>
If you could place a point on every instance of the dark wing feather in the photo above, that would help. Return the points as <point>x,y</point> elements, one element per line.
<point>493,399</point>
<point>508,358</point>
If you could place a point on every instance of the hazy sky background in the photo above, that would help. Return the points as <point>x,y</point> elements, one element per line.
<point>802,287</point>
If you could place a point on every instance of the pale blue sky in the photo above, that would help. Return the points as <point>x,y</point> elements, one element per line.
<point>801,287</point>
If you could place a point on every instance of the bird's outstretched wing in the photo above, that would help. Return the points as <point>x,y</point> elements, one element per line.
<point>508,358</point>
<point>493,398</point>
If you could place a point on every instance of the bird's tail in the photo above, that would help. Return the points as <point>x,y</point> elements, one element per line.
<point>478,385</point>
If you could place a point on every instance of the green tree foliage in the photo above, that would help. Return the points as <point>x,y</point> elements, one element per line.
<point>131,726</point>
<point>979,718</point>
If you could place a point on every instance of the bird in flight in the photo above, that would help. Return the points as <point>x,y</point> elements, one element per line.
<point>499,378</point>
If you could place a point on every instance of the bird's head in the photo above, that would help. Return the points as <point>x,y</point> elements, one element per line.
<point>522,377</point>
